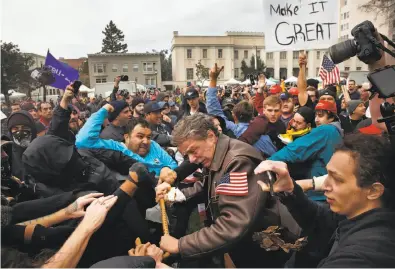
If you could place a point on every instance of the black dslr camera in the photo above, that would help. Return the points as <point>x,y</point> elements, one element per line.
<point>364,45</point>
<point>124,78</point>
<point>43,75</point>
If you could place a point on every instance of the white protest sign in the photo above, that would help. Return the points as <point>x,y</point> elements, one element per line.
<point>300,24</point>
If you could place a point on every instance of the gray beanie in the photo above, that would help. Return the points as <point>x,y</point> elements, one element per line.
<point>352,105</point>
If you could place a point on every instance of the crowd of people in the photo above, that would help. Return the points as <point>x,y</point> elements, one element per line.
<point>252,176</point>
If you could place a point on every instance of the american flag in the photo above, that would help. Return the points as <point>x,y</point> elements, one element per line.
<point>329,72</point>
<point>234,184</point>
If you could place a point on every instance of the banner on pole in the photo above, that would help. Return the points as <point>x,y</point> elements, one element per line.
<point>63,73</point>
<point>300,24</point>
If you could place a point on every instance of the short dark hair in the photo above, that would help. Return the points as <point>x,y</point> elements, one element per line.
<point>243,111</point>
<point>331,115</point>
<point>16,104</point>
<point>194,126</point>
<point>374,162</point>
<point>42,103</point>
<point>134,122</point>
<point>352,81</point>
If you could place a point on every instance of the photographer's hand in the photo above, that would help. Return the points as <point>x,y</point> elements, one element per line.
<point>67,97</point>
<point>382,62</point>
<point>284,182</point>
<point>375,102</point>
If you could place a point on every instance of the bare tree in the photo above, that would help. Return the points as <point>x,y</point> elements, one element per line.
<point>383,8</point>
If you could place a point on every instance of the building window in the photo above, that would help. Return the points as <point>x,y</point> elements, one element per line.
<point>101,80</point>
<point>341,27</point>
<point>148,67</point>
<point>136,79</point>
<point>135,67</point>
<point>236,72</point>
<point>295,72</point>
<point>346,68</point>
<point>317,70</point>
<point>345,2</point>
<point>258,53</point>
<point>270,72</point>
<point>99,68</point>
<point>219,53</point>
<point>189,53</point>
<point>236,52</point>
<point>125,68</point>
<point>204,53</point>
<point>359,68</point>
<point>283,55</point>
<point>150,81</point>
<point>348,15</point>
<point>114,68</point>
<point>269,56</point>
<point>283,72</point>
<point>189,73</point>
<point>246,54</point>
<point>154,66</point>
<point>295,55</point>
<point>318,55</point>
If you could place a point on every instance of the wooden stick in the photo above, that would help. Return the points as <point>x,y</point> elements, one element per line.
<point>165,224</point>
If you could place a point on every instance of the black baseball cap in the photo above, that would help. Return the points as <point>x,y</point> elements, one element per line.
<point>152,107</point>
<point>191,93</point>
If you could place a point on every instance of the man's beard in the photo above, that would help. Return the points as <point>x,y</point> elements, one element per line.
<point>140,113</point>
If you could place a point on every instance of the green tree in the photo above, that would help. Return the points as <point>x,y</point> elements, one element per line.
<point>113,39</point>
<point>245,69</point>
<point>165,64</point>
<point>202,72</point>
<point>15,70</point>
<point>383,8</point>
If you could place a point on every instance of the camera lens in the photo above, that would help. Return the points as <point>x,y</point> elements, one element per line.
<point>343,51</point>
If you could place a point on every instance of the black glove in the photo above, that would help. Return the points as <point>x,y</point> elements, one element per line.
<point>142,173</point>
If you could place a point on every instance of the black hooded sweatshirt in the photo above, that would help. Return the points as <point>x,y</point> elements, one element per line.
<point>367,240</point>
<point>56,166</point>
<point>17,151</point>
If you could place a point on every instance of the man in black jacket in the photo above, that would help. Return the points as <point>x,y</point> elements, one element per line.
<point>361,217</point>
<point>153,115</point>
<point>118,119</point>
<point>191,104</point>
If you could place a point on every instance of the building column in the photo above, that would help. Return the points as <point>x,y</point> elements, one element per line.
<point>290,63</point>
<point>276,60</point>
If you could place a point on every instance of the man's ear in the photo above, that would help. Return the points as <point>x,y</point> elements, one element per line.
<point>375,191</point>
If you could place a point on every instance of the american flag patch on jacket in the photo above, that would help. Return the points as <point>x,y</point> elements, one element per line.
<point>233,184</point>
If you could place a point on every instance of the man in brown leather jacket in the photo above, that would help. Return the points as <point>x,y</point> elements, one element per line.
<point>234,203</point>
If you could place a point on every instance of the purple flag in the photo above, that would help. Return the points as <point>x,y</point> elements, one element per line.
<point>63,73</point>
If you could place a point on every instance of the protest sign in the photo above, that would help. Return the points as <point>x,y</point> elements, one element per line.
<point>63,73</point>
<point>300,24</point>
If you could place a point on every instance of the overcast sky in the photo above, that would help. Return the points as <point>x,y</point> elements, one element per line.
<point>73,28</point>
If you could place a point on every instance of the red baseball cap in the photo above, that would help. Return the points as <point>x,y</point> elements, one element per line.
<point>293,91</point>
<point>371,130</point>
<point>275,89</point>
<point>325,105</point>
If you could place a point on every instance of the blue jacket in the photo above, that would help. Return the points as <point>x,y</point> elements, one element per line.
<point>317,147</point>
<point>264,144</point>
<point>88,138</point>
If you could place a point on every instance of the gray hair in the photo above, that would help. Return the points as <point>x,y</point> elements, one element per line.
<point>195,126</point>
